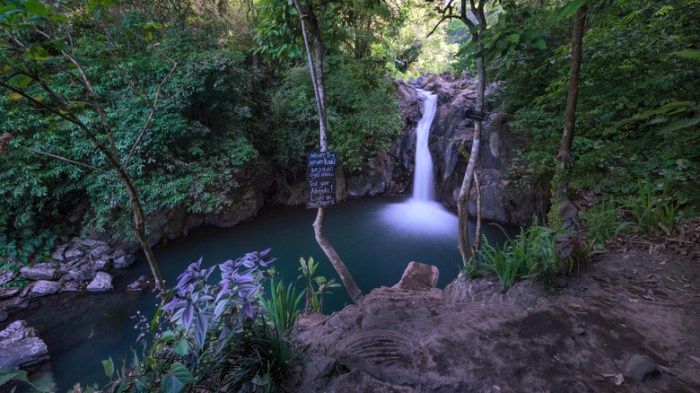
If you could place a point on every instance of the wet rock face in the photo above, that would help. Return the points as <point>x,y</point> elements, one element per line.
<point>20,347</point>
<point>450,143</point>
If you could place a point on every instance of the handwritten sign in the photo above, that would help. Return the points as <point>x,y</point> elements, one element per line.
<point>320,173</point>
<point>476,115</point>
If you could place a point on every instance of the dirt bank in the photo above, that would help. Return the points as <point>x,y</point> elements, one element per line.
<point>638,300</point>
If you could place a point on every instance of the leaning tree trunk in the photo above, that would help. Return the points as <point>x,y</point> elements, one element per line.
<point>316,71</point>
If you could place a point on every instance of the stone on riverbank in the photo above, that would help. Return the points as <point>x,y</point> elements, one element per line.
<point>43,287</point>
<point>124,261</point>
<point>640,367</point>
<point>140,285</point>
<point>20,347</point>
<point>40,273</point>
<point>102,282</point>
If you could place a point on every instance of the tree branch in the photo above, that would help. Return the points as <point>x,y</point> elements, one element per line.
<point>63,159</point>
<point>153,109</point>
<point>444,18</point>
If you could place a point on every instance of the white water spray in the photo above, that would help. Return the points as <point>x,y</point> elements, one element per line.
<point>421,215</point>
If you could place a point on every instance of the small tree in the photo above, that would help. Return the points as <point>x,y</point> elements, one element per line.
<point>565,159</point>
<point>315,54</point>
<point>36,49</point>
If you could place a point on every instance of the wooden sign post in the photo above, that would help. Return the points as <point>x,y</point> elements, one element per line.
<point>320,173</point>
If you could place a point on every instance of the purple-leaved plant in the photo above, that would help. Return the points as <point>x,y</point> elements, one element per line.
<point>224,306</point>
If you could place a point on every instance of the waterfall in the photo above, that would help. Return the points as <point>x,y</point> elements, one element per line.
<point>422,215</point>
<point>423,182</point>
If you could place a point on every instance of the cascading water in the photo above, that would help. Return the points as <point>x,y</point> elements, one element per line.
<point>423,182</point>
<point>421,214</point>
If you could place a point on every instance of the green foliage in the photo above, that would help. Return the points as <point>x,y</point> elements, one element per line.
<point>501,262</point>
<point>316,286</point>
<point>283,305</point>
<point>602,221</point>
<point>363,116</point>
<point>637,113</point>
<point>652,213</point>
<point>537,252</point>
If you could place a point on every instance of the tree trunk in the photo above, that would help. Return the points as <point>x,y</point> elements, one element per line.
<point>140,229</point>
<point>315,60</point>
<point>567,212</point>
<point>465,190</point>
<point>572,97</point>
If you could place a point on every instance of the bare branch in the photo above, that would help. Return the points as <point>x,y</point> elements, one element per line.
<point>63,159</point>
<point>444,18</point>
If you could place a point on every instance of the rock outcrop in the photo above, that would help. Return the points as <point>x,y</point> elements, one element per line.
<point>474,338</point>
<point>450,142</point>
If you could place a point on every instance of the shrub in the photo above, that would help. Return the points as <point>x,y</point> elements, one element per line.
<point>211,335</point>
<point>536,252</point>
<point>601,221</point>
<point>652,213</point>
<point>283,305</point>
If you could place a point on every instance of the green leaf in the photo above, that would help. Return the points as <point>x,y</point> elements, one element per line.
<point>182,373</point>
<point>20,80</point>
<point>182,348</point>
<point>570,8</point>
<point>540,44</point>
<point>8,375</point>
<point>37,53</point>
<point>170,384</point>
<point>514,38</point>
<point>108,366</point>
<point>680,124</point>
<point>688,53</point>
<point>175,380</point>
<point>36,7</point>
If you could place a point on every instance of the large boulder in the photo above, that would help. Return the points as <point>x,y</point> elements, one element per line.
<point>20,347</point>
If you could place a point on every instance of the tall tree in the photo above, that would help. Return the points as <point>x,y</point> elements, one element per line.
<point>315,54</point>
<point>36,48</point>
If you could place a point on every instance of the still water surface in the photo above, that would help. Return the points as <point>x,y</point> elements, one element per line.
<point>81,330</point>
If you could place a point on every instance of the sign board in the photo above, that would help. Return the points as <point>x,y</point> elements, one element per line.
<point>320,173</point>
<point>476,115</point>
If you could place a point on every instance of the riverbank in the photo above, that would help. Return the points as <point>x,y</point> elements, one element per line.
<point>631,301</point>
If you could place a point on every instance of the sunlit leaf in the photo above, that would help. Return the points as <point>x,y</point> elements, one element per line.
<point>688,53</point>
<point>680,124</point>
<point>570,8</point>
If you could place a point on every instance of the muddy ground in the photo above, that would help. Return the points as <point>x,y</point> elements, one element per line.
<point>635,299</point>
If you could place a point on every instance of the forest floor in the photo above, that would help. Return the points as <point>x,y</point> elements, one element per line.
<point>640,296</point>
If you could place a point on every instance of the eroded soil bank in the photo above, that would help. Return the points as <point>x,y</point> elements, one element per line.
<point>633,300</point>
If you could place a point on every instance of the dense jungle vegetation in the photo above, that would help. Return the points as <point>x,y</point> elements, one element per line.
<point>195,100</point>
<point>239,105</point>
